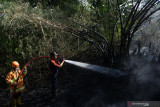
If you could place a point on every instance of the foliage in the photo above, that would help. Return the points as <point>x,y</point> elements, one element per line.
<point>28,32</point>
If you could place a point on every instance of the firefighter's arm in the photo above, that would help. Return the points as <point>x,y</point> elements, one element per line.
<point>55,64</point>
<point>9,80</point>
<point>61,64</point>
<point>24,72</point>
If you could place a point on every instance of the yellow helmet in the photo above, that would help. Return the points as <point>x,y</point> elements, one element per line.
<point>15,64</point>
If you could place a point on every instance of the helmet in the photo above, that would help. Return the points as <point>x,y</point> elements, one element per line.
<point>53,54</point>
<point>15,64</point>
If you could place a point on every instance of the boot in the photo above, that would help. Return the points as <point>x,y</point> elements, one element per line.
<point>19,101</point>
<point>14,103</point>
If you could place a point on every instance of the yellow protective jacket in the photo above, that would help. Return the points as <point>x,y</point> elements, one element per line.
<point>12,76</point>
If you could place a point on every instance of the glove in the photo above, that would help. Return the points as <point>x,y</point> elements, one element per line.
<point>25,69</point>
<point>14,83</point>
<point>63,59</point>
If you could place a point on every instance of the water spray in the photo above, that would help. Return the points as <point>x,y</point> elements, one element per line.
<point>96,68</point>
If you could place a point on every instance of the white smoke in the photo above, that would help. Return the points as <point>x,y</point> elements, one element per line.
<point>144,79</point>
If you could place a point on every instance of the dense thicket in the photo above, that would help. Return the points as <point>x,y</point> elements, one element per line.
<point>33,28</point>
<point>28,32</point>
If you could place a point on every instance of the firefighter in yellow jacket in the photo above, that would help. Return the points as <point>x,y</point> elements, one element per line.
<point>16,87</point>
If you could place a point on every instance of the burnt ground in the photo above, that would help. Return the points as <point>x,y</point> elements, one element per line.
<point>84,88</point>
<point>89,92</point>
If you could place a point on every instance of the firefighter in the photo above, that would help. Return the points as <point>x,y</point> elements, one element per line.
<point>54,65</point>
<point>16,87</point>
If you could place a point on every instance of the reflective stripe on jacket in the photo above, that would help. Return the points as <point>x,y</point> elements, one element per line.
<point>12,76</point>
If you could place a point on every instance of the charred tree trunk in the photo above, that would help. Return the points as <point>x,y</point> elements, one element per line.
<point>133,22</point>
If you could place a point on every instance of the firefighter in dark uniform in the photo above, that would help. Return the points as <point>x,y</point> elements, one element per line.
<point>54,65</point>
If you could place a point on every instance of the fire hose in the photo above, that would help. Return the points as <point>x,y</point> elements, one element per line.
<point>30,62</point>
<point>27,65</point>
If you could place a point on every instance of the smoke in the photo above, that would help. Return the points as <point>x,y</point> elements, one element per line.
<point>96,68</point>
<point>145,79</point>
<point>145,74</point>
